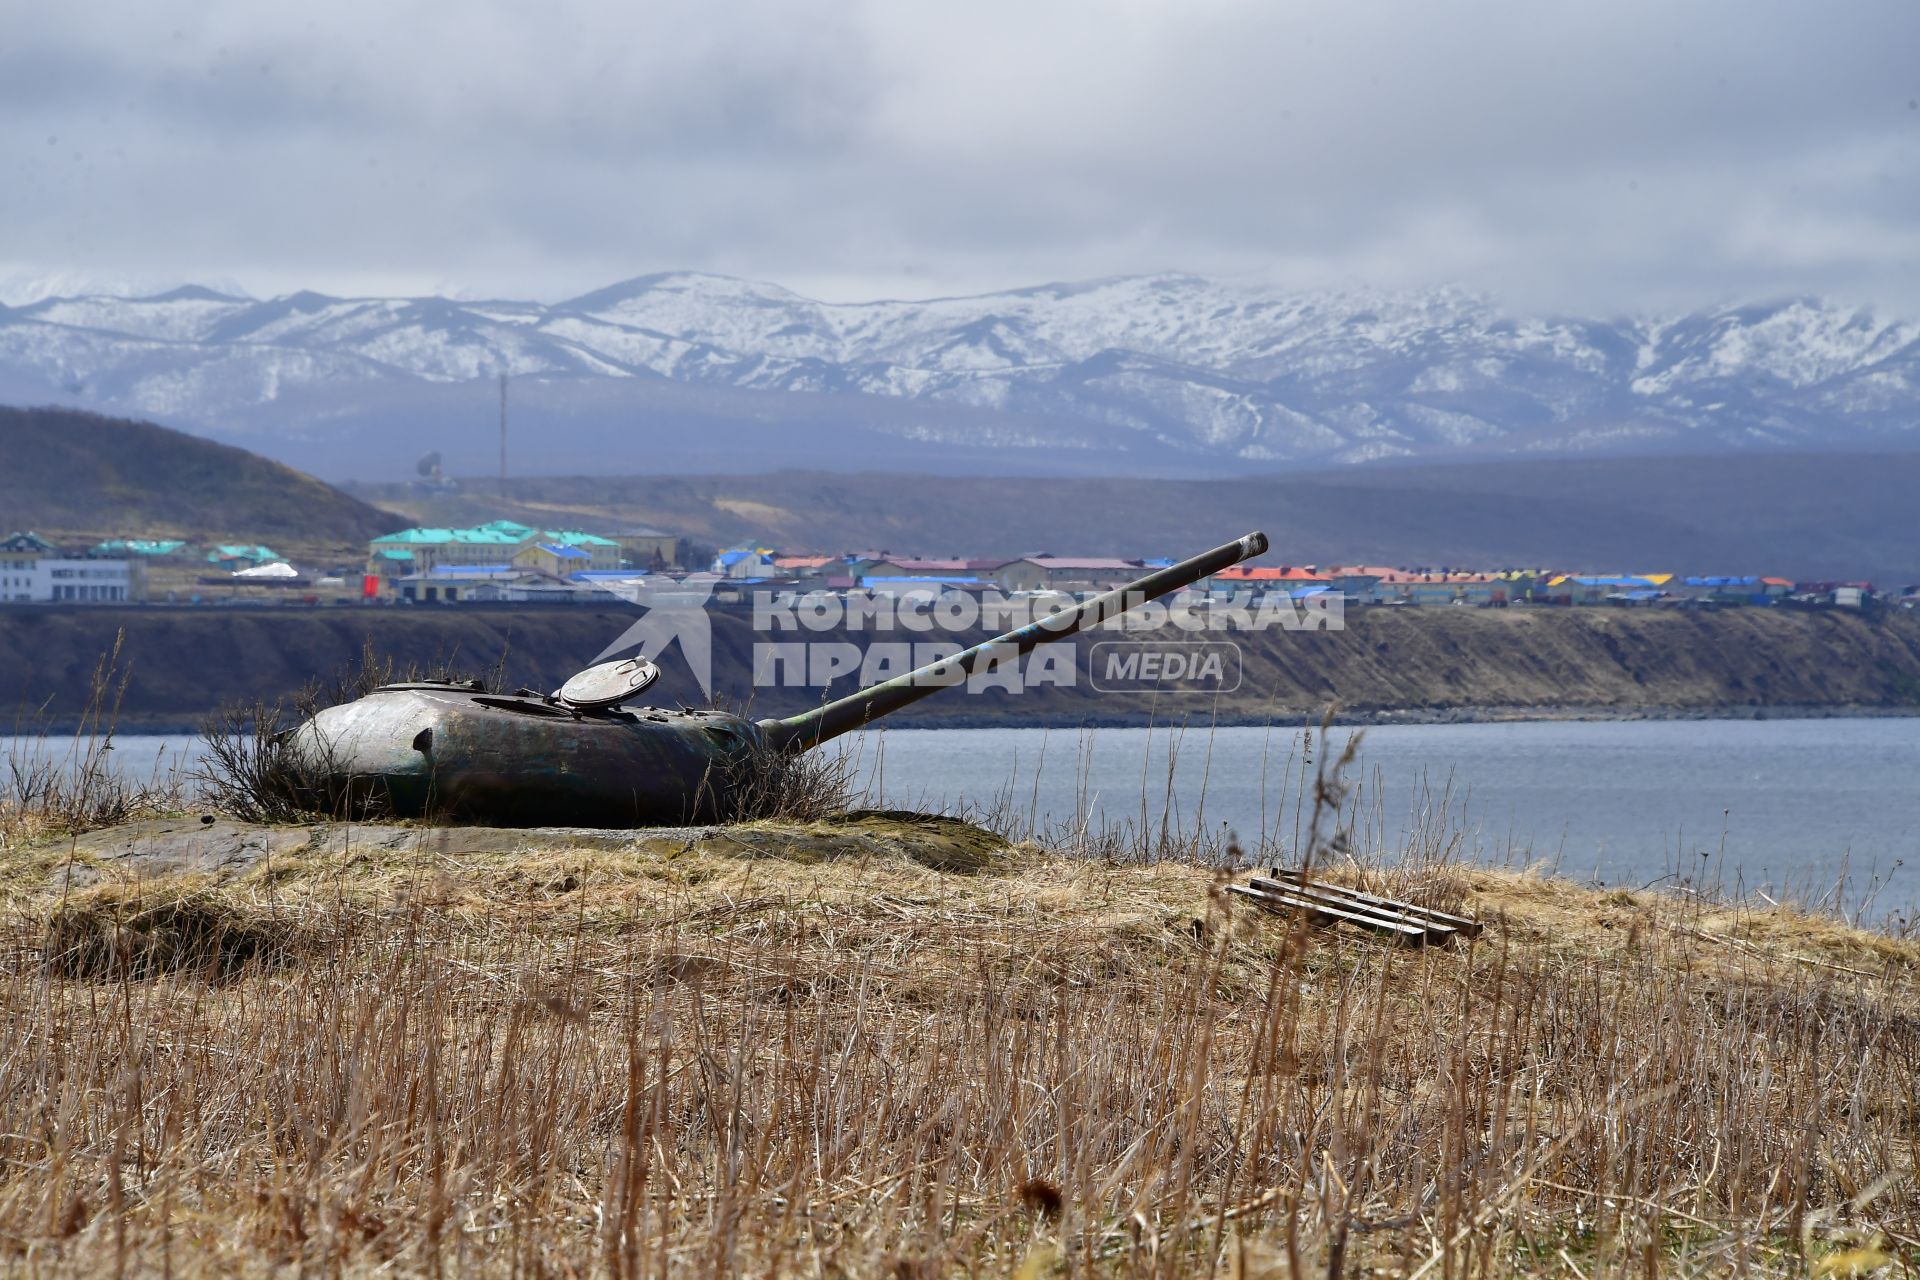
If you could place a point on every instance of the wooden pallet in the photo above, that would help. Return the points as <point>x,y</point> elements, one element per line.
<point>1406,923</point>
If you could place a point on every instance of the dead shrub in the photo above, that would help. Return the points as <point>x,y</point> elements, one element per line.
<point>794,786</point>
<point>140,933</point>
<point>47,789</point>
<point>249,769</point>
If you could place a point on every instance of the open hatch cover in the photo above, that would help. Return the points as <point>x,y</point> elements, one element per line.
<point>608,684</point>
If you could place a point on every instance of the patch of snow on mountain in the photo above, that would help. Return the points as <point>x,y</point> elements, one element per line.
<point>1209,367</point>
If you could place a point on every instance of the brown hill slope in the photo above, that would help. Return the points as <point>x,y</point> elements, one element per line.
<point>1817,516</point>
<point>81,474</point>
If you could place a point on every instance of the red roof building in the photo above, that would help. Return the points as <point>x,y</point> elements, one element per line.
<point>1287,573</point>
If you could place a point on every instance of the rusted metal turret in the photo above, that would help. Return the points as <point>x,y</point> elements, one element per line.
<point>580,757</point>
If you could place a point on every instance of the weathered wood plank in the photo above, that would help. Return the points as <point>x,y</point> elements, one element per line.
<point>1399,930</point>
<point>1435,930</point>
<point>1464,924</point>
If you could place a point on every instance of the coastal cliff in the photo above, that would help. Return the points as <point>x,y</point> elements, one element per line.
<point>1439,663</point>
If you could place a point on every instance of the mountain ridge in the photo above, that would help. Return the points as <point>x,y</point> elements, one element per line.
<point>1152,371</point>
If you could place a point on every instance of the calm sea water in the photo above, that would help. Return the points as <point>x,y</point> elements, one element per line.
<point>1772,805</point>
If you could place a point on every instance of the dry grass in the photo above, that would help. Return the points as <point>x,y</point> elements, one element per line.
<point>141,931</point>
<point>700,1057</point>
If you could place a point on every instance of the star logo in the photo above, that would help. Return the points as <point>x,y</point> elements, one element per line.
<point>675,611</point>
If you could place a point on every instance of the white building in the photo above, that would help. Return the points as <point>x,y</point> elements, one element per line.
<point>89,581</point>
<point>17,583</point>
<point>32,571</point>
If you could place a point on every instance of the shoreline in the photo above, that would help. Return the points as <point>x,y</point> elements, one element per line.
<point>1199,717</point>
<point>1372,717</point>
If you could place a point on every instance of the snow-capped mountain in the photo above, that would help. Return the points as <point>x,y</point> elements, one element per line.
<point>1126,373</point>
<point>24,288</point>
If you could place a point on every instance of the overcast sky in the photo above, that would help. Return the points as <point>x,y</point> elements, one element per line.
<point>1627,154</point>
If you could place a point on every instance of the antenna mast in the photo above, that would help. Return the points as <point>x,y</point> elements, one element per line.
<point>503,435</point>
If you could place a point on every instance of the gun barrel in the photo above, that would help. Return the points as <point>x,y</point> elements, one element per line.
<point>810,729</point>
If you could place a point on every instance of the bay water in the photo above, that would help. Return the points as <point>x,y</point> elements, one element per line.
<point>1825,810</point>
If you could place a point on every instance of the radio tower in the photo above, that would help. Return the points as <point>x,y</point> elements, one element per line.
<point>503,435</point>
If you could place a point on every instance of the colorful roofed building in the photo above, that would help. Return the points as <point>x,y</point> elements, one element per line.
<point>1453,587</point>
<point>604,552</point>
<point>421,550</point>
<point>805,566</point>
<point>149,547</point>
<point>956,571</point>
<point>1733,588</point>
<point>1044,572</point>
<point>26,546</point>
<point>645,547</point>
<point>744,563</point>
<point>1269,574</point>
<point>1594,588</point>
<point>553,558</point>
<point>234,556</point>
<point>1436,586</point>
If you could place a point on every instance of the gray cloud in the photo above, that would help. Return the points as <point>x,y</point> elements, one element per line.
<point>1580,155</point>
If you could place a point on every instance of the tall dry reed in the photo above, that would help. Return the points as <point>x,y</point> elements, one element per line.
<point>64,783</point>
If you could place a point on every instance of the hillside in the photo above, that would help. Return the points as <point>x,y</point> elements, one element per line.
<point>1146,375</point>
<point>85,475</point>
<point>1808,516</point>
<point>1451,663</point>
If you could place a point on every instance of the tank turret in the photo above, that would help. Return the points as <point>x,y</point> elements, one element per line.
<point>582,757</point>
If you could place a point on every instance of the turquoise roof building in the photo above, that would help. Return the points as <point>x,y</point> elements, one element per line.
<point>134,547</point>
<point>425,549</point>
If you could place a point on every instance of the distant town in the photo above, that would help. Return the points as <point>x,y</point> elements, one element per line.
<point>504,562</point>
